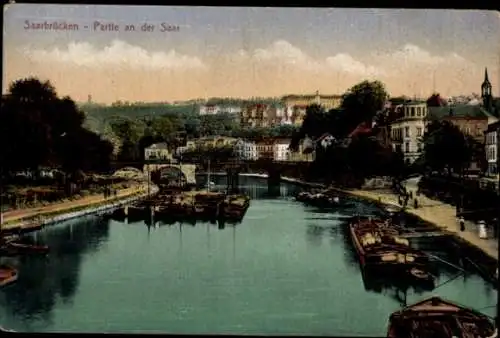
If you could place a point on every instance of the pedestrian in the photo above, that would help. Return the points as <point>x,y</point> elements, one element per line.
<point>461,221</point>
<point>482,230</point>
<point>415,203</point>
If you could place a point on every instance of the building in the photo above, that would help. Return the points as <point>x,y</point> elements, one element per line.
<point>261,116</point>
<point>472,120</point>
<point>214,142</point>
<point>245,150</point>
<point>406,132</point>
<point>324,141</point>
<point>190,146</point>
<point>281,149</point>
<point>265,149</point>
<point>209,109</point>
<point>298,113</point>
<point>326,101</point>
<point>158,151</point>
<point>492,148</point>
<point>285,115</point>
<point>305,152</point>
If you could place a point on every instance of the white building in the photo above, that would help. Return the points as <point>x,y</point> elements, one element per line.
<point>408,130</point>
<point>285,115</point>
<point>158,151</point>
<point>492,139</point>
<point>215,109</point>
<point>246,150</point>
<point>209,109</point>
<point>281,150</point>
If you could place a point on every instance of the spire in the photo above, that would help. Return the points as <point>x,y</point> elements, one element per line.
<point>486,75</point>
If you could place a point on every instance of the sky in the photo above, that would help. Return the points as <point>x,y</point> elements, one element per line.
<point>245,52</point>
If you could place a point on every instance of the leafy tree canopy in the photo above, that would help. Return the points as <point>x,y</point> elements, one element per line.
<point>38,128</point>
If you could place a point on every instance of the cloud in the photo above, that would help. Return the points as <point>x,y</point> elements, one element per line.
<point>346,63</point>
<point>117,54</point>
<point>282,52</point>
<point>409,57</point>
<point>414,54</point>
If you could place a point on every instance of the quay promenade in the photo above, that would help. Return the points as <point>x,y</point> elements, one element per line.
<point>10,217</point>
<point>438,213</point>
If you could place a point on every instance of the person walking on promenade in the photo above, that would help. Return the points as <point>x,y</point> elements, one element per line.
<point>461,221</point>
<point>482,230</point>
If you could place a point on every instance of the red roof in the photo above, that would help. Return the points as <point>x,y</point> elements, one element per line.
<point>362,128</point>
<point>323,136</point>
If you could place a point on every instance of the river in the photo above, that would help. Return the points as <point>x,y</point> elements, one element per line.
<point>286,269</point>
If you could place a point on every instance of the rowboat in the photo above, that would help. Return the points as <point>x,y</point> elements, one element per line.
<point>8,275</point>
<point>16,248</point>
<point>436,317</point>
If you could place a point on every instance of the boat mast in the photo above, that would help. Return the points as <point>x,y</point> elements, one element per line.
<point>208,176</point>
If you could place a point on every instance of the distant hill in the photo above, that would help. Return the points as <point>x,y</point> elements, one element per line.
<point>99,115</point>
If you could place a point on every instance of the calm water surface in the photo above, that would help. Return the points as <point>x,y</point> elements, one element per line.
<point>287,269</point>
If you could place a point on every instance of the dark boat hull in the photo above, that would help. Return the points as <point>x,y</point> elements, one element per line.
<point>394,262</point>
<point>8,275</point>
<point>440,318</point>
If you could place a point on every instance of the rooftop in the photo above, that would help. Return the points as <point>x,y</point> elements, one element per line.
<point>470,111</point>
<point>310,96</point>
<point>161,145</point>
<point>493,126</point>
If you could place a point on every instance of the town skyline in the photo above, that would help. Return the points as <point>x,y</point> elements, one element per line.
<point>248,52</point>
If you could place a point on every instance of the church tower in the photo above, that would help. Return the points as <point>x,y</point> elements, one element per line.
<point>486,92</point>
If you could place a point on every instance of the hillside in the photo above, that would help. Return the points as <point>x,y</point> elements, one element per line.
<point>99,116</point>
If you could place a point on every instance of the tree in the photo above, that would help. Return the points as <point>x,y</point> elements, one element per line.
<point>445,146</point>
<point>435,100</point>
<point>362,101</point>
<point>37,128</point>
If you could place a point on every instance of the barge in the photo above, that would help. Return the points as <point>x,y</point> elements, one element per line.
<point>380,250</point>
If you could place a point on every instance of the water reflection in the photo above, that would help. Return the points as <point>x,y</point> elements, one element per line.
<point>45,279</point>
<point>257,188</point>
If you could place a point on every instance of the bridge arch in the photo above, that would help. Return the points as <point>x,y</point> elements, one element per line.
<point>169,175</point>
<point>129,172</point>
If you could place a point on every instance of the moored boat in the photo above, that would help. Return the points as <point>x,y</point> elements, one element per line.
<point>8,275</point>
<point>436,317</point>
<point>380,249</point>
<point>16,248</point>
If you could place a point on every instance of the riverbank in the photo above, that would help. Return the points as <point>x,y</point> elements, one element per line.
<point>436,213</point>
<point>33,219</point>
<point>440,215</point>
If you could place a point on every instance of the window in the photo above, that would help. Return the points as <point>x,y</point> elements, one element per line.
<point>407,131</point>
<point>419,111</point>
<point>407,147</point>
<point>419,130</point>
<point>467,130</point>
<point>412,111</point>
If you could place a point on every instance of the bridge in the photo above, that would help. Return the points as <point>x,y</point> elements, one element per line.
<point>186,172</point>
